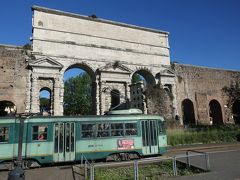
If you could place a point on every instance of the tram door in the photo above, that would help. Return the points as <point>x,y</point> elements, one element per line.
<point>150,137</point>
<point>64,142</point>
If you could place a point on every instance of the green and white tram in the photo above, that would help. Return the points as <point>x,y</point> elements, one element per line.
<point>120,135</point>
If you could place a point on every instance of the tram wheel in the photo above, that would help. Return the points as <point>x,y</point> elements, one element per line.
<point>116,157</point>
<point>125,156</point>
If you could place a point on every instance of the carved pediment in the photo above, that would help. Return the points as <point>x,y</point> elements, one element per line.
<point>45,62</point>
<point>115,67</point>
<point>167,72</point>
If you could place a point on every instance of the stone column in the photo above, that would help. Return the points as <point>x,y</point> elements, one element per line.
<point>127,90</point>
<point>175,109</point>
<point>61,98</point>
<point>28,89</point>
<point>56,97</point>
<point>102,97</point>
<point>97,98</point>
<point>127,95</point>
<point>34,94</point>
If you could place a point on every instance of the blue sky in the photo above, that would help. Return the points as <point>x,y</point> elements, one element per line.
<point>202,32</point>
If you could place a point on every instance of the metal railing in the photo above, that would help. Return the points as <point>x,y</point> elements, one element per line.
<point>206,156</point>
<point>135,163</point>
<point>81,170</point>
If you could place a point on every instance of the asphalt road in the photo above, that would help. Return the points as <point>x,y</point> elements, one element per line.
<point>224,165</point>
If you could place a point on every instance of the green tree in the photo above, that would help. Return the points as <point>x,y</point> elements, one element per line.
<point>77,95</point>
<point>136,78</point>
<point>45,104</point>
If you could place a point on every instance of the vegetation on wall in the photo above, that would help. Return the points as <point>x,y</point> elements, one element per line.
<point>159,101</point>
<point>27,47</point>
<point>233,91</point>
<point>77,95</point>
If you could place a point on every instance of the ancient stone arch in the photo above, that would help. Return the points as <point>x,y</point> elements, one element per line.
<point>7,108</point>
<point>92,74</point>
<point>45,110</point>
<point>115,98</point>
<point>84,66</point>
<point>147,74</point>
<point>110,52</point>
<point>215,112</point>
<point>236,111</point>
<point>188,112</point>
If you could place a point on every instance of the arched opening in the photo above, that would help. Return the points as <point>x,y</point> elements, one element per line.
<point>142,75</point>
<point>236,111</point>
<point>215,112</point>
<point>168,88</point>
<point>188,112</point>
<point>45,99</point>
<point>115,98</point>
<point>79,90</point>
<point>7,108</point>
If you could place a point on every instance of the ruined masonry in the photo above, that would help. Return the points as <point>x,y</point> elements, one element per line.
<point>110,52</point>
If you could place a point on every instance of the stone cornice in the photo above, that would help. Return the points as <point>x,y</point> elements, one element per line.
<point>57,12</point>
<point>102,47</point>
<point>63,57</point>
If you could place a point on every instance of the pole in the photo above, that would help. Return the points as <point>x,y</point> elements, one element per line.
<point>17,173</point>
<point>207,162</point>
<point>135,170</point>
<point>20,140</point>
<point>188,159</point>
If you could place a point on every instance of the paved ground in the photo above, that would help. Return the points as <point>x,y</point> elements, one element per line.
<point>224,165</point>
<point>46,173</point>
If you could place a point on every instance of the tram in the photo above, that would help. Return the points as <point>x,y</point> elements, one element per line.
<point>119,135</point>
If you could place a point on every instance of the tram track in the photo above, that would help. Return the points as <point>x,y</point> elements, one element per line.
<point>209,148</point>
<point>203,147</point>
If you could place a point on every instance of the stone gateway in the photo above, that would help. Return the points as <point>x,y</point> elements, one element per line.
<point>111,53</point>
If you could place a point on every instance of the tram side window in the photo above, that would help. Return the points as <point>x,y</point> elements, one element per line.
<point>39,133</point>
<point>161,127</point>
<point>87,130</point>
<point>103,130</point>
<point>130,129</point>
<point>4,134</point>
<point>117,129</point>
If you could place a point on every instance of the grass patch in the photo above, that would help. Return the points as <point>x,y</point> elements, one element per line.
<point>203,134</point>
<point>160,170</point>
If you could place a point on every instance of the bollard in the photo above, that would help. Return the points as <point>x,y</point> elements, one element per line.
<point>188,159</point>
<point>174,166</point>
<point>92,172</point>
<point>135,170</point>
<point>16,174</point>
<point>207,162</point>
<point>81,159</point>
<point>85,169</point>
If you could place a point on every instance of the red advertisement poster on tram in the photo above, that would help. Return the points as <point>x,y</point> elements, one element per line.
<point>125,144</point>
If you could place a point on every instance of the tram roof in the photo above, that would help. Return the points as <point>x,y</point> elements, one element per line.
<point>122,117</point>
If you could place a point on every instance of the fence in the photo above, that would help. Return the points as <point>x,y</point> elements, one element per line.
<point>198,153</point>
<point>80,172</point>
<point>135,163</point>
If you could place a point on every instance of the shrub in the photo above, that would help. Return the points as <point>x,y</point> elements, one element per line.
<point>203,134</point>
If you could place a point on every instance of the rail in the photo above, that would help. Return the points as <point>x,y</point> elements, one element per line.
<point>81,170</point>
<point>205,154</point>
<point>136,163</point>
